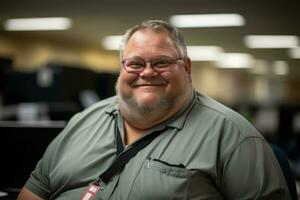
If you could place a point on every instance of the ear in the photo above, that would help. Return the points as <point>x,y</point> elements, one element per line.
<point>188,67</point>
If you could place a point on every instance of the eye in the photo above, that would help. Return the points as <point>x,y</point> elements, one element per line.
<point>162,62</point>
<point>134,63</point>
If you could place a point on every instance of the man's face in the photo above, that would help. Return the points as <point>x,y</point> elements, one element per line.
<point>150,90</point>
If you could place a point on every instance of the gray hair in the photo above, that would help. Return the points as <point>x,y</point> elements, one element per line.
<point>157,25</point>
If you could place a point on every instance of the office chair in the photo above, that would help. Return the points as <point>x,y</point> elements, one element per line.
<point>286,169</point>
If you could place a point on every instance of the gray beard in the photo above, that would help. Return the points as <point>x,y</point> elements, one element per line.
<point>144,112</point>
<point>158,106</point>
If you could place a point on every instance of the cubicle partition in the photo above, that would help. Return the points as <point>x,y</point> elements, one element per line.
<point>21,146</point>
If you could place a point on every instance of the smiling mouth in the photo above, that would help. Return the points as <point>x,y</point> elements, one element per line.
<point>149,85</point>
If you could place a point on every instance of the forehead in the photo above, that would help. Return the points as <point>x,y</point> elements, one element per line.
<point>147,42</point>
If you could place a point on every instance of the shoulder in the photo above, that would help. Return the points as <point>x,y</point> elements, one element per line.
<point>84,126</point>
<point>221,127</point>
<point>94,116</point>
<point>109,105</point>
<point>102,108</point>
<point>224,115</point>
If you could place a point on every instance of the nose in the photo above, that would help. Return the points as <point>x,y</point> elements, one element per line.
<point>148,71</point>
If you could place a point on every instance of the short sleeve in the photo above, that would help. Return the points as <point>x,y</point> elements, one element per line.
<point>38,182</point>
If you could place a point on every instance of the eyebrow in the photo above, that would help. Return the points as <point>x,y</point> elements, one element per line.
<point>158,56</point>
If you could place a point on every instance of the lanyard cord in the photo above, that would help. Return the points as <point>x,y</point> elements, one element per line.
<point>120,145</point>
<point>124,156</point>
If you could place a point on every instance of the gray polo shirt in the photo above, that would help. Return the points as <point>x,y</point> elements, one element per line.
<point>207,151</point>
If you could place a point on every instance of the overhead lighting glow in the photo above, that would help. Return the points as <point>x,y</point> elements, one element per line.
<point>235,60</point>
<point>271,41</point>
<point>294,53</point>
<point>204,53</point>
<point>207,20</point>
<point>112,42</point>
<point>260,67</point>
<point>37,24</point>
<point>280,67</point>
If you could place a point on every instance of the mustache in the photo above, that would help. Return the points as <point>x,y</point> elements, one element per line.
<point>152,82</point>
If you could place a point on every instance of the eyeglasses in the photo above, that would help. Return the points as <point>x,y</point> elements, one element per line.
<point>159,64</point>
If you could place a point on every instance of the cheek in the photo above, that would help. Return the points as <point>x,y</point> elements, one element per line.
<point>127,78</point>
<point>178,82</point>
<point>176,77</point>
<point>125,81</point>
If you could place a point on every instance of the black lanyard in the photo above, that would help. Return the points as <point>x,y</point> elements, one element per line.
<point>120,145</point>
<point>119,162</point>
<point>124,156</point>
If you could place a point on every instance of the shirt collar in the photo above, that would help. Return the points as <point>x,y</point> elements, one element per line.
<point>113,107</point>
<point>179,119</point>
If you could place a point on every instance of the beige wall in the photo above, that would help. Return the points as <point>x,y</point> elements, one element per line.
<point>32,54</point>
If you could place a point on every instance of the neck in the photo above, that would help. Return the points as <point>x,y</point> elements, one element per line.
<point>146,120</point>
<point>136,128</point>
<point>132,133</point>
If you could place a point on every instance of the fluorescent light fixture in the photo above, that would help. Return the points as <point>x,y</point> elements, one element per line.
<point>112,42</point>
<point>37,24</point>
<point>204,53</point>
<point>280,67</point>
<point>271,41</point>
<point>235,60</point>
<point>294,53</point>
<point>207,20</point>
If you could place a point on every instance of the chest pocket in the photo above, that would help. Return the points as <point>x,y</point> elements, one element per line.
<point>158,179</point>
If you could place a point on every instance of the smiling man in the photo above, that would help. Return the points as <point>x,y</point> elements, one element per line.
<point>155,81</point>
<point>158,138</point>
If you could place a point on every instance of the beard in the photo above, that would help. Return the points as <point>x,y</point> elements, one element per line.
<point>141,111</point>
<point>164,103</point>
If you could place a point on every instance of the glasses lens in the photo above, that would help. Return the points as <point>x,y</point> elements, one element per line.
<point>162,63</point>
<point>134,64</point>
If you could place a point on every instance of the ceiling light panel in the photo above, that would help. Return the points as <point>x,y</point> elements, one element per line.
<point>38,24</point>
<point>235,60</point>
<point>271,41</point>
<point>204,53</point>
<point>207,20</point>
<point>112,42</point>
<point>280,67</point>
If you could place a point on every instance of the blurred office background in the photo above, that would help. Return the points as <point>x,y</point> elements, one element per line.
<point>246,54</point>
